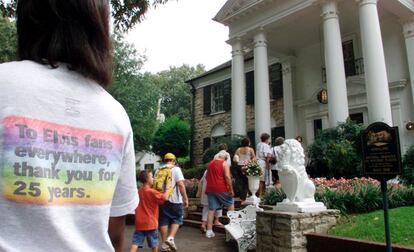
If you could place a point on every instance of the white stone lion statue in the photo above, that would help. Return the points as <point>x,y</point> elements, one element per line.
<point>299,189</point>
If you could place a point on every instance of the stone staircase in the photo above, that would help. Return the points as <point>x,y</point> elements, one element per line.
<point>193,216</point>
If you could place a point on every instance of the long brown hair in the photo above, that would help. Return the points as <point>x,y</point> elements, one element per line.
<point>75,32</point>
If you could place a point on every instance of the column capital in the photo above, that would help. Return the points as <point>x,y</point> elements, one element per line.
<point>259,39</point>
<point>235,40</point>
<point>236,47</point>
<point>365,2</point>
<point>288,64</point>
<point>408,29</point>
<point>329,9</point>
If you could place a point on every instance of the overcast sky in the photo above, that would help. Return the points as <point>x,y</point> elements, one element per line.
<point>182,32</point>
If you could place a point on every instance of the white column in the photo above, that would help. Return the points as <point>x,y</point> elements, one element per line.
<point>238,91</point>
<point>334,62</point>
<point>288,106</point>
<point>378,95</point>
<point>261,86</point>
<point>409,44</point>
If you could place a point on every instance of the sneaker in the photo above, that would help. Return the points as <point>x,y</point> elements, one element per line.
<point>171,244</point>
<point>164,247</point>
<point>210,234</point>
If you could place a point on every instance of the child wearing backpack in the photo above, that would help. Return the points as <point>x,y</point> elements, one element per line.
<point>171,212</point>
<point>146,214</point>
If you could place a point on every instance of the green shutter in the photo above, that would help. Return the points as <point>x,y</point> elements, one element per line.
<point>276,80</point>
<point>252,137</point>
<point>207,100</point>
<point>250,88</point>
<point>227,95</point>
<point>206,143</point>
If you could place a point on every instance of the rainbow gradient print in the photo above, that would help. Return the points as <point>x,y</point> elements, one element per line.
<point>51,164</point>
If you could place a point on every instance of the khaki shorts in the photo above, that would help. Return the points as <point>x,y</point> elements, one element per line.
<point>263,166</point>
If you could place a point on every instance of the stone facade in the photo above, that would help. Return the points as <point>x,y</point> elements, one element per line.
<point>204,124</point>
<point>283,231</point>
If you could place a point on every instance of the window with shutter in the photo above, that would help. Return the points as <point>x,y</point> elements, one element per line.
<point>276,81</point>
<point>227,95</point>
<point>250,88</point>
<point>217,97</point>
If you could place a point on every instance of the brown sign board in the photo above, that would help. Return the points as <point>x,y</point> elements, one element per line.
<point>381,151</point>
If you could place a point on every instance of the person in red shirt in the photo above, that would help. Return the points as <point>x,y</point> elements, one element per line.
<point>146,214</point>
<point>219,189</point>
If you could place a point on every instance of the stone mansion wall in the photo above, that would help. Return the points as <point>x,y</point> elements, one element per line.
<point>204,124</point>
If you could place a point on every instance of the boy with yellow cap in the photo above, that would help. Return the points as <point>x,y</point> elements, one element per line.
<point>171,212</point>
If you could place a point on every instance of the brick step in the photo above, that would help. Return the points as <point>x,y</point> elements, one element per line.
<point>197,217</point>
<point>197,224</point>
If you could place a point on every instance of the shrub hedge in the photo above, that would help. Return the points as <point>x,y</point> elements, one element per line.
<point>196,172</point>
<point>337,151</point>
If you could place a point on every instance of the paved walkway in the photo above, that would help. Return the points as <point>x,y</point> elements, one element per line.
<point>190,239</point>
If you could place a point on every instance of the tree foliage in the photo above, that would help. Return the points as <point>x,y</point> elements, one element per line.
<point>339,150</point>
<point>8,8</point>
<point>176,94</point>
<point>172,136</point>
<point>126,13</point>
<point>8,40</point>
<point>136,92</point>
<point>407,175</point>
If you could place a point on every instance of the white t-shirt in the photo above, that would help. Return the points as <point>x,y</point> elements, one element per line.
<point>176,175</point>
<point>262,150</point>
<point>275,153</point>
<point>66,160</point>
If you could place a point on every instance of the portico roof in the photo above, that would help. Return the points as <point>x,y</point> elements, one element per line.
<point>294,24</point>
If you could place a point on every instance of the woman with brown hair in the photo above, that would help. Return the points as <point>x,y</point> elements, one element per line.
<point>72,179</point>
<point>243,154</point>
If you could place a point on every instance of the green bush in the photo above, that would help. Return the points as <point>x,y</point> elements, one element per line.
<point>172,136</point>
<point>273,196</point>
<point>407,175</point>
<point>233,142</point>
<point>184,162</point>
<point>196,172</point>
<point>339,149</point>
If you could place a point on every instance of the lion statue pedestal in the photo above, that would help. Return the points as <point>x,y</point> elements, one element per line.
<point>299,189</point>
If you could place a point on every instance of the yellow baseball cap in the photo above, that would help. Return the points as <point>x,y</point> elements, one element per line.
<point>169,156</point>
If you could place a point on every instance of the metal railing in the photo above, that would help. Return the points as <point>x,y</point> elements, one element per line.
<point>352,68</point>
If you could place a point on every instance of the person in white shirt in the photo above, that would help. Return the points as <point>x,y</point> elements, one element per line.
<point>264,154</point>
<point>67,156</point>
<point>275,157</point>
<point>171,212</point>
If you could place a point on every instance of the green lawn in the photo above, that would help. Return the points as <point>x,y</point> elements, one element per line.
<point>371,226</point>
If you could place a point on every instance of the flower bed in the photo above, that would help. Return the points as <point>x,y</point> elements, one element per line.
<point>358,195</point>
